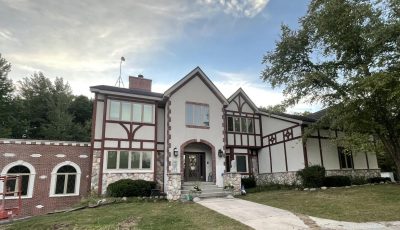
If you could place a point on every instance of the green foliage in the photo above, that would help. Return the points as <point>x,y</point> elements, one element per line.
<point>358,180</point>
<point>378,180</point>
<point>270,187</point>
<point>6,97</point>
<point>337,181</point>
<point>129,188</point>
<point>42,109</point>
<point>249,182</point>
<point>345,55</point>
<point>312,176</point>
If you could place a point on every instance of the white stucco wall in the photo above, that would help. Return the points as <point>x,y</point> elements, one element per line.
<point>278,158</point>
<point>263,160</point>
<point>270,124</point>
<point>330,154</point>
<point>196,91</point>
<point>295,156</point>
<point>313,153</point>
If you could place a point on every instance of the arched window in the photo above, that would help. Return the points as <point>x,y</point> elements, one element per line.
<point>65,179</point>
<point>12,185</point>
<point>26,172</point>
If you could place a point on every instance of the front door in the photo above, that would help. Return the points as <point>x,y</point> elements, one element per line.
<point>195,167</point>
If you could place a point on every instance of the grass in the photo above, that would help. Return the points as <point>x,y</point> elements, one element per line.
<point>356,204</point>
<point>134,215</point>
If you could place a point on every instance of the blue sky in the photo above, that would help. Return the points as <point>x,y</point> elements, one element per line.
<point>82,41</point>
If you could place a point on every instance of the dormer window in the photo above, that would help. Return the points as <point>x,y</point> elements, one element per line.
<point>131,111</point>
<point>197,115</point>
<point>240,124</point>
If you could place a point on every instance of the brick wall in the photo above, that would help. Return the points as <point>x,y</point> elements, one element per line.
<point>44,156</point>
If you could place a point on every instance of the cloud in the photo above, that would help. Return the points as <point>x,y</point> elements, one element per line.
<point>237,8</point>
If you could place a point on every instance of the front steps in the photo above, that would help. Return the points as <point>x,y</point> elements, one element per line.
<point>208,190</point>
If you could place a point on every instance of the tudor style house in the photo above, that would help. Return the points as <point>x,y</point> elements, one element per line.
<point>191,132</point>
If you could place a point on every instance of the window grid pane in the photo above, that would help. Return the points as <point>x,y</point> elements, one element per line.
<point>146,160</point>
<point>250,128</point>
<point>230,123</point>
<point>126,111</point>
<point>112,160</point>
<point>60,182</point>
<point>114,110</point>
<point>237,124</point>
<point>241,163</point>
<point>123,159</point>
<point>71,183</point>
<point>135,160</point>
<point>148,113</point>
<point>137,112</point>
<point>244,125</point>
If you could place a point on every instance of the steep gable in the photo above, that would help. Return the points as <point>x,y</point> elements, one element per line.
<point>239,101</point>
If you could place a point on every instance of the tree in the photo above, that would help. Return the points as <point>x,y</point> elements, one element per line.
<point>81,109</point>
<point>6,97</point>
<point>346,56</point>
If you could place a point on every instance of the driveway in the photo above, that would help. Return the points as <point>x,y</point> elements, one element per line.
<point>260,216</point>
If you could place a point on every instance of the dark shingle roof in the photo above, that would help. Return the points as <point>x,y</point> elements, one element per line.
<point>317,115</point>
<point>125,90</point>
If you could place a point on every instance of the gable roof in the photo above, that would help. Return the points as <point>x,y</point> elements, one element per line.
<point>241,92</point>
<point>196,72</point>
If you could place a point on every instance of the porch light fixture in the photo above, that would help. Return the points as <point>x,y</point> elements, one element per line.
<point>220,153</point>
<point>175,152</point>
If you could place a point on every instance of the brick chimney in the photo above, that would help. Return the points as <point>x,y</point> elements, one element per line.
<point>139,82</point>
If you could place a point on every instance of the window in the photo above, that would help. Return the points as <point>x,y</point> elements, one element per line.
<point>345,158</point>
<point>240,124</point>
<point>12,185</point>
<point>124,160</point>
<point>65,179</point>
<point>128,111</point>
<point>197,115</point>
<point>241,163</point>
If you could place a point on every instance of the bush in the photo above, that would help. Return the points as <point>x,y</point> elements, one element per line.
<point>128,188</point>
<point>270,187</point>
<point>358,180</point>
<point>312,177</point>
<point>337,181</point>
<point>378,179</point>
<point>249,182</point>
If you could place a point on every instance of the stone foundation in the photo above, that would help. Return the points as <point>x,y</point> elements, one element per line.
<point>174,186</point>
<point>366,173</point>
<point>286,178</point>
<point>290,178</point>
<point>160,170</point>
<point>235,180</point>
<point>109,178</point>
<point>95,171</point>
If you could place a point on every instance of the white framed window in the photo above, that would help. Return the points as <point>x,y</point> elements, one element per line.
<point>241,163</point>
<point>240,124</point>
<point>345,158</point>
<point>26,172</point>
<point>131,111</point>
<point>65,179</point>
<point>197,114</point>
<point>129,161</point>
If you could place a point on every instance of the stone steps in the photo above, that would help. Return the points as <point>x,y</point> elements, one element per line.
<point>208,189</point>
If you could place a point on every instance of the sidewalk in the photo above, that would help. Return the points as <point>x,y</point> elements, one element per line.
<point>260,216</point>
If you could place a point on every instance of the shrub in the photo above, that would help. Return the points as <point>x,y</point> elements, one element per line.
<point>337,181</point>
<point>249,182</point>
<point>358,180</point>
<point>270,187</point>
<point>378,179</point>
<point>312,177</point>
<point>128,188</point>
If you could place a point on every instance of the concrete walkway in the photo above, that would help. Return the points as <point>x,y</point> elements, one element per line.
<point>260,216</point>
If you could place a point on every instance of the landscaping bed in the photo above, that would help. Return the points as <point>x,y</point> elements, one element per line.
<point>357,203</point>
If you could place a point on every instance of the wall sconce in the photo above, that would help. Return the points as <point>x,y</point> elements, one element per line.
<point>220,153</point>
<point>175,152</point>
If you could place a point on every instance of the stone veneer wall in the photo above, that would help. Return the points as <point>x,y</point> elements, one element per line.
<point>174,186</point>
<point>160,170</point>
<point>234,179</point>
<point>95,170</point>
<point>290,178</point>
<point>109,178</point>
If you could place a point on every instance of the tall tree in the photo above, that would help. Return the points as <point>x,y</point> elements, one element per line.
<point>346,56</point>
<point>6,97</point>
<point>81,109</point>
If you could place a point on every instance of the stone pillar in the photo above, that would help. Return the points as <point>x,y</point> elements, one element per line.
<point>174,186</point>
<point>95,171</point>
<point>233,179</point>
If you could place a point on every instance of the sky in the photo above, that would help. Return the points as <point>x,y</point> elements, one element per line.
<point>83,41</point>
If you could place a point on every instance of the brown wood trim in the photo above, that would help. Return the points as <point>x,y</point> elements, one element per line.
<point>155,143</point>
<point>282,130</point>
<point>270,158</point>
<point>279,142</point>
<point>197,127</point>
<point>366,158</point>
<point>284,150</point>
<point>305,153</point>
<point>320,148</point>
<point>131,122</point>
<point>93,133</point>
<point>130,99</point>
<point>100,183</point>
<point>197,103</point>
<point>135,149</point>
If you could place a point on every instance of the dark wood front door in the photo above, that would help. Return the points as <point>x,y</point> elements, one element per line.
<point>195,167</point>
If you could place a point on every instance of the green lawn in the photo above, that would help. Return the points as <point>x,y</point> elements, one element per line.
<point>357,204</point>
<point>134,215</point>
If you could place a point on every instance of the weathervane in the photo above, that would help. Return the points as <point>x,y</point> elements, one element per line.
<point>119,81</point>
